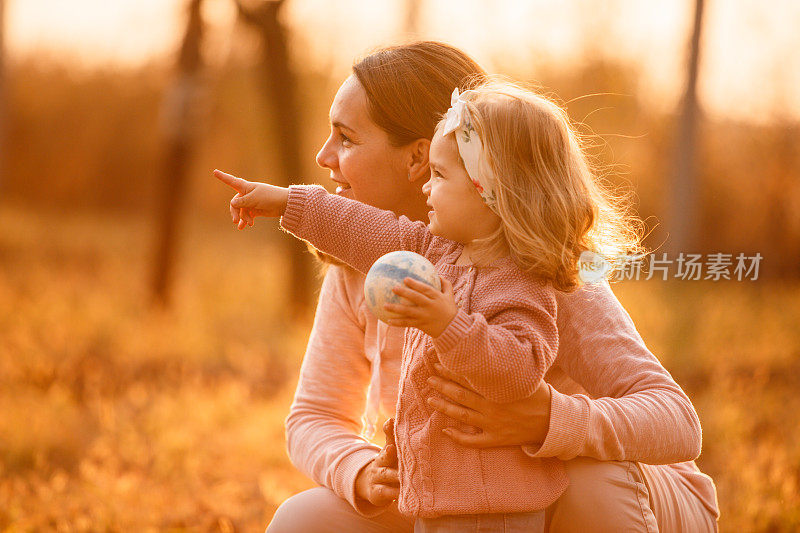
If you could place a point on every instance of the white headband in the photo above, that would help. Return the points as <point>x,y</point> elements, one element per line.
<point>470,148</point>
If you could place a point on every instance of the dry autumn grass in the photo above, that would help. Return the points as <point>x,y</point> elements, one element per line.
<point>115,417</point>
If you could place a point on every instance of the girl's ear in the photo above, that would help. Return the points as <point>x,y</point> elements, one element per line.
<point>418,163</point>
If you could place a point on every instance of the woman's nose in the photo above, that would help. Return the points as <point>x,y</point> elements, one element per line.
<point>326,158</point>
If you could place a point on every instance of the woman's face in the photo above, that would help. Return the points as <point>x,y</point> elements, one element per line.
<point>362,161</point>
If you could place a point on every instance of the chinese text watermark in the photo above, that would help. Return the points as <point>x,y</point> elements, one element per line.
<point>593,267</point>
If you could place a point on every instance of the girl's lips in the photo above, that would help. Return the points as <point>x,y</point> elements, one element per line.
<point>341,186</point>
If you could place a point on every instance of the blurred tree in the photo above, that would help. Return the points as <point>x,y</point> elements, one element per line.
<point>782,245</point>
<point>412,16</point>
<point>683,216</point>
<point>2,93</point>
<point>279,87</point>
<point>179,127</point>
<point>781,171</point>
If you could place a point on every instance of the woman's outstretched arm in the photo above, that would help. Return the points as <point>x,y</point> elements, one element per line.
<point>636,411</point>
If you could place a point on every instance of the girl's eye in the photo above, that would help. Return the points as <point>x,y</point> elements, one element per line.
<point>345,139</point>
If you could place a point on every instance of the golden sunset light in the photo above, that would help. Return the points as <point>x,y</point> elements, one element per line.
<point>751,63</point>
<point>399,265</point>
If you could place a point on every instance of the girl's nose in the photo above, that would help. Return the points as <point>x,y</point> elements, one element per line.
<point>426,188</point>
<point>326,158</point>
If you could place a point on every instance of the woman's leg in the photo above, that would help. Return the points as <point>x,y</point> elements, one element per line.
<point>482,523</point>
<point>615,496</point>
<point>319,510</point>
<point>675,507</point>
<point>602,497</point>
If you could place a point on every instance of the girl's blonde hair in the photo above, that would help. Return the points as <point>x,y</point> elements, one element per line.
<point>552,205</point>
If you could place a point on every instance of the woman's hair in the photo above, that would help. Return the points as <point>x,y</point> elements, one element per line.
<point>552,205</point>
<point>408,88</point>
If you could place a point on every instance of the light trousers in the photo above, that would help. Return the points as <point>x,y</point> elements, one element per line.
<point>602,497</point>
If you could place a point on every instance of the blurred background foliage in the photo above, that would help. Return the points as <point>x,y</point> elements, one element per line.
<point>119,415</point>
<point>91,140</point>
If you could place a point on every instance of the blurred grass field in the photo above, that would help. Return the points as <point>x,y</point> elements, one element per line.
<point>117,417</point>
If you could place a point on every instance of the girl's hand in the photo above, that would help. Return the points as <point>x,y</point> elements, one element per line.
<point>253,199</point>
<point>378,482</point>
<point>524,421</point>
<point>430,310</point>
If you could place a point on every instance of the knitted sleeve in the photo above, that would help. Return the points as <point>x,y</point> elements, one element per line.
<point>354,232</point>
<point>636,411</point>
<point>503,355</point>
<point>323,426</point>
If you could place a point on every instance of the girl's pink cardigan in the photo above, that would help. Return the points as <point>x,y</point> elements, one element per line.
<point>646,416</point>
<point>501,341</point>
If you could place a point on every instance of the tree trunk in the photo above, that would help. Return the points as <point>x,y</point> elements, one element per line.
<point>279,87</point>
<point>179,128</point>
<point>413,8</point>
<point>782,191</point>
<point>683,216</point>
<point>3,94</point>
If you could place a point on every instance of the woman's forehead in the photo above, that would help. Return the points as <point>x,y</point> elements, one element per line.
<point>349,106</point>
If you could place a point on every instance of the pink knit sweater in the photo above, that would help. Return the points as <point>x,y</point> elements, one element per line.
<point>501,341</point>
<point>610,397</point>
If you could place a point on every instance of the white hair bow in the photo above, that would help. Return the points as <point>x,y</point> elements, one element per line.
<point>470,147</point>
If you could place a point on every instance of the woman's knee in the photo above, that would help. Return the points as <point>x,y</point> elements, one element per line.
<point>320,510</point>
<point>310,510</point>
<point>603,496</point>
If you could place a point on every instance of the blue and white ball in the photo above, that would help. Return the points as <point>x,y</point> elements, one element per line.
<point>389,271</point>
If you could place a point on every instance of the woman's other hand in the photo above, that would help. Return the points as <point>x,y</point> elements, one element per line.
<point>253,199</point>
<point>515,423</point>
<point>377,482</point>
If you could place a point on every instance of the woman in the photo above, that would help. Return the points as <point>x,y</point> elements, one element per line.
<point>626,432</point>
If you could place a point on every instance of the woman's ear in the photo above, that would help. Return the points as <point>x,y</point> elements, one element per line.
<point>418,163</point>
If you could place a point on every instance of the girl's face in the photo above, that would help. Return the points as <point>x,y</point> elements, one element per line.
<point>458,211</point>
<point>362,161</point>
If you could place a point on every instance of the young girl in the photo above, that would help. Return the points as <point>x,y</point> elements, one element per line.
<point>513,206</point>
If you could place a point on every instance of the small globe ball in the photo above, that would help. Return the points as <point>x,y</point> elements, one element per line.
<point>389,271</point>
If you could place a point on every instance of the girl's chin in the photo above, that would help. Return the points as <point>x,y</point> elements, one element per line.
<point>432,222</point>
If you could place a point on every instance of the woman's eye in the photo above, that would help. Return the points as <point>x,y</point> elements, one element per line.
<point>345,138</point>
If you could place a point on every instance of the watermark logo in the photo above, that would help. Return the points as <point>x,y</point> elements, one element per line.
<point>593,267</point>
